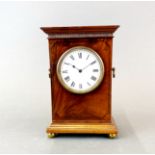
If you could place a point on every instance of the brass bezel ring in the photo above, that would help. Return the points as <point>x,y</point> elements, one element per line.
<point>61,79</point>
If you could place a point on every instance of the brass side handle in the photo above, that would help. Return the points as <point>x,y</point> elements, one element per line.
<point>113,72</point>
<point>49,72</point>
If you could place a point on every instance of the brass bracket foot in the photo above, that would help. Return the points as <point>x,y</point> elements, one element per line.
<point>51,135</point>
<point>112,135</point>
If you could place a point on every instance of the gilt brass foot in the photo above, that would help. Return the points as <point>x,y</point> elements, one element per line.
<point>51,135</point>
<point>112,135</point>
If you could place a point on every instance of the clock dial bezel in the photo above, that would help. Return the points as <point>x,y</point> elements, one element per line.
<point>58,70</point>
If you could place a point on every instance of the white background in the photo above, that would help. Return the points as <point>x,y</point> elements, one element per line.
<point>25,86</point>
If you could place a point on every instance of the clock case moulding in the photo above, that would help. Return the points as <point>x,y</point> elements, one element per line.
<point>81,113</point>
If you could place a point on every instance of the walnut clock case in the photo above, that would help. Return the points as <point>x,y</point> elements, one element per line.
<point>81,79</point>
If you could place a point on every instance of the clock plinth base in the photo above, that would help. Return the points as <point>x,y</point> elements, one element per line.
<point>84,128</point>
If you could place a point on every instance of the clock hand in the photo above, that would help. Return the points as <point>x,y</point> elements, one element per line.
<point>73,66</point>
<point>76,68</point>
<point>89,64</point>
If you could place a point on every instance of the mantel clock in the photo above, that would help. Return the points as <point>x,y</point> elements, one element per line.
<point>81,79</point>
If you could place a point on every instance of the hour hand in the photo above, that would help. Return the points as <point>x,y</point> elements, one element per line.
<point>75,67</point>
<point>72,65</point>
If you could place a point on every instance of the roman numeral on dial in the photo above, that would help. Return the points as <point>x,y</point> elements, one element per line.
<point>95,70</point>
<point>72,57</point>
<point>88,84</point>
<point>80,55</point>
<point>67,78</point>
<point>73,84</point>
<point>93,62</point>
<point>80,86</point>
<point>66,63</point>
<point>87,57</point>
<point>65,71</point>
<point>93,78</point>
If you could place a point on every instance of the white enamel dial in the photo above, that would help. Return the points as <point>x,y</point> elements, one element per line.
<point>80,70</point>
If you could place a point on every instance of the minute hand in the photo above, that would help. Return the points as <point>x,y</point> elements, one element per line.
<point>93,62</point>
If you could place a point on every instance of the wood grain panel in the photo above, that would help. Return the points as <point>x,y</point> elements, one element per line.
<point>92,106</point>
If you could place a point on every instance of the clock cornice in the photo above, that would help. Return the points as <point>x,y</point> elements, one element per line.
<point>80,31</point>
